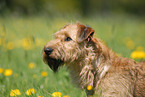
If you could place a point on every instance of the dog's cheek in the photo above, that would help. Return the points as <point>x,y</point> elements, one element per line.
<point>59,51</point>
<point>67,51</point>
<point>73,52</point>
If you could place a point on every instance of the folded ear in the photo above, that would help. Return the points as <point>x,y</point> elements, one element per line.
<point>84,32</point>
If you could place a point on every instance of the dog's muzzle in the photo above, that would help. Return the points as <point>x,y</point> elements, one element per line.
<point>52,62</point>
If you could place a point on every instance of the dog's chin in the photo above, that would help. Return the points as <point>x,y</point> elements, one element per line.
<point>53,63</point>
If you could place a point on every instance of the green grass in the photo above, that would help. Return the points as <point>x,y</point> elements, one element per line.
<point>115,31</point>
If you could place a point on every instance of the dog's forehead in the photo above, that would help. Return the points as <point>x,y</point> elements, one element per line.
<point>69,31</point>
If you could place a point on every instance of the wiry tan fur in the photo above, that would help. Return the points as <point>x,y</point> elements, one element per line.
<point>91,62</point>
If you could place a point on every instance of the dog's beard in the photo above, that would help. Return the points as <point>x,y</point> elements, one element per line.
<point>54,64</point>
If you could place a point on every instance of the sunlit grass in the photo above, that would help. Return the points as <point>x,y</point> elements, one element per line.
<point>23,38</point>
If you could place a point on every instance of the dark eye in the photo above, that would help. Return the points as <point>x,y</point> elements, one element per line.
<point>68,39</point>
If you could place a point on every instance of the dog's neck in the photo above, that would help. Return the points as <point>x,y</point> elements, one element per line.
<point>92,67</point>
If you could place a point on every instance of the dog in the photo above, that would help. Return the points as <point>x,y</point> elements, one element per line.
<point>91,63</point>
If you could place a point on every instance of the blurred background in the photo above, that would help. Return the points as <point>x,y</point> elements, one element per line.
<point>74,7</point>
<point>27,25</point>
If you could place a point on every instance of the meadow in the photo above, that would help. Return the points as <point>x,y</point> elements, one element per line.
<point>22,71</point>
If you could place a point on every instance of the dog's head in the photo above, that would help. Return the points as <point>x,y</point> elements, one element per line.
<point>68,45</point>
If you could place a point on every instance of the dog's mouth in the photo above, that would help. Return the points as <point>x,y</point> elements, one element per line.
<point>53,63</point>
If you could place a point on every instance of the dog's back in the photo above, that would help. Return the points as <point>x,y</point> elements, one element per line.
<point>125,78</point>
<point>139,90</point>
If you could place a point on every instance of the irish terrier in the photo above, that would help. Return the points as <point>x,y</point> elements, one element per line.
<point>91,62</point>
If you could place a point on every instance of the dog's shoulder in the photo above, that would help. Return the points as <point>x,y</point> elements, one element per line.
<point>124,62</point>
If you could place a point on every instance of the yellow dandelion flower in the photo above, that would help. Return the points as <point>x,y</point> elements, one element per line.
<point>138,55</point>
<point>10,45</point>
<point>44,74</point>
<point>27,44</point>
<point>31,65</point>
<point>89,87</point>
<point>8,72</point>
<point>134,54</point>
<point>30,91</point>
<point>15,92</point>
<point>40,96</point>
<point>1,70</point>
<point>56,94</point>
<point>66,96</point>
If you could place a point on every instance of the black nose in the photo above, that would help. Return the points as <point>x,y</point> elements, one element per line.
<point>48,51</point>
